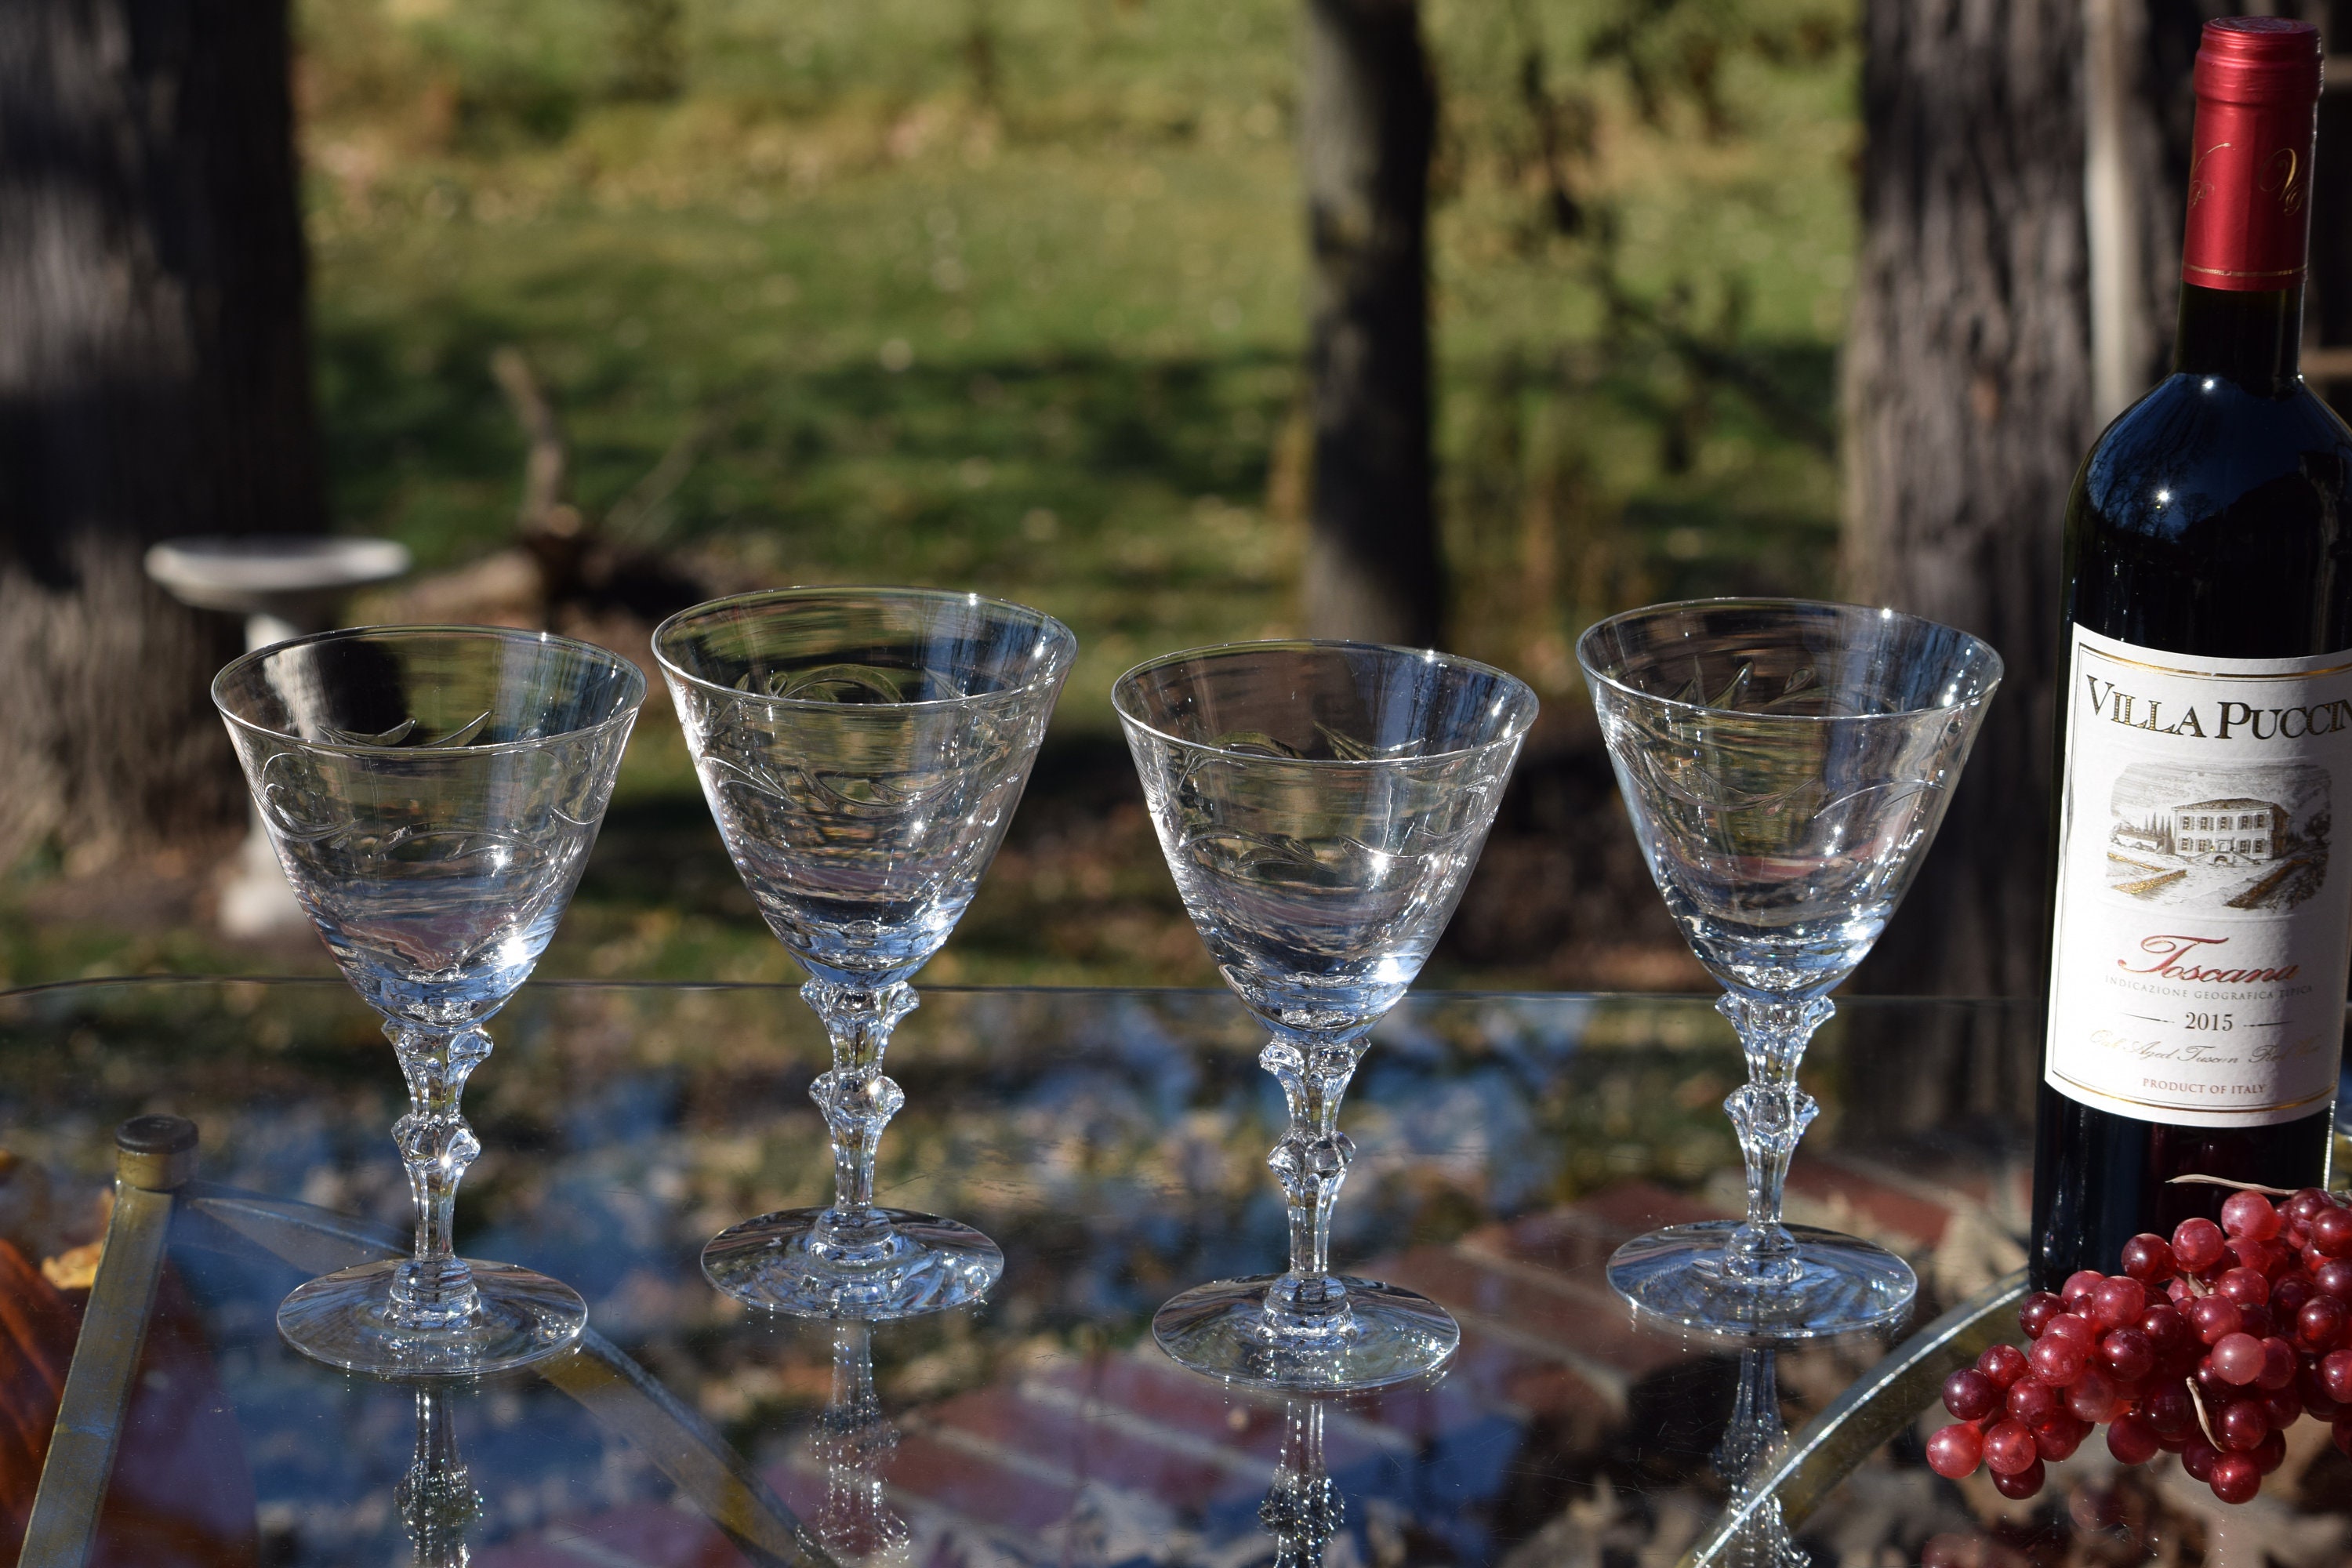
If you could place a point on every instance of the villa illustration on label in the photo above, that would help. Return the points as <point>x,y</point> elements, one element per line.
<point>2246,838</point>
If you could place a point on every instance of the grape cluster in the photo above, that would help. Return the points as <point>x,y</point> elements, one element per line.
<point>2210,1346</point>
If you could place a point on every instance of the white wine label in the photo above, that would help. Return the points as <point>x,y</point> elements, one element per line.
<point>2198,966</point>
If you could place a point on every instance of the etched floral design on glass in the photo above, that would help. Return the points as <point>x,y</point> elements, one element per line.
<point>1320,805</point>
<point>862,750</point>
<point>1786,764</point>
<point>432,793</point>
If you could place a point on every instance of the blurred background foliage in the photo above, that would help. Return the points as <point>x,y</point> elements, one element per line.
<point>1007,295</point>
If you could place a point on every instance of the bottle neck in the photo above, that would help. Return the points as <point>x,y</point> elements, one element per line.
<point>2252,337</point>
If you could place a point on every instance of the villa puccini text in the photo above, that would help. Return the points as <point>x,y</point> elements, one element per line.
<point>2198,972</point>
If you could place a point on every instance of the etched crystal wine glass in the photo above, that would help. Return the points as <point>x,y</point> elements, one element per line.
<point>1320,805</point>
<point>862,750</point>
<point>1786,764</point>
<point>432,793</point>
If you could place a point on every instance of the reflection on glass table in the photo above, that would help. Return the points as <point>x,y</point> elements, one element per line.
<point>1113,1143</point>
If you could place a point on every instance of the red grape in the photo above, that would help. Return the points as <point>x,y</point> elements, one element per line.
<point>2310,1383</point>
<point>2020,1486</point>
<point>2056,1362</point>
<point>1956,1450</point>
<point>1971,1395</point>
<point>2246,1286</point>
<point>2197,1245</point>
<point>2128,1353</point>
<point>2148,1259</point>
<point>2117,1301</point>
<point>2075,1327</point>
<point>2077,1291</point>
<point>2278,1363</point>
<point>2242,1426</point>
<point>2030,1400</point>
<point>2236,1479</point>
<point>2092,1397</point>
<point>2290,1290</point>
<point>2333,1277</point>
<point>2270,1454</point>
<point>2130,1439</point>
<point>2321,1322</point>
<point>2003,1364</point>
<point>2058,1437</point>
<point>2343,1435</point>
<point>2238,1358</point>
<point>2034,1313</point>
<point>2264,1258</point>
<point>2168,1412</point>
<point>2164,1326</point>
<point>2249,1215</point>
<point>2197,1457</point>
<point>2214,1318</point>
<point>2331,1233</point>
<point>2335,1368</point>
<point>2008,1447</point>
<point>2282,1407</point>
<point>2304,1206</point>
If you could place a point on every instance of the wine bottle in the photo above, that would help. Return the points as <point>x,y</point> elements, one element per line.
<point>2198,914</point>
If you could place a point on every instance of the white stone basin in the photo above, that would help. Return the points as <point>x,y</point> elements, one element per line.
<point>281,574</point>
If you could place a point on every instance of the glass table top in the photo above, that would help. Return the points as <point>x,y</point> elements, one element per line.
<point>1114,1143</point>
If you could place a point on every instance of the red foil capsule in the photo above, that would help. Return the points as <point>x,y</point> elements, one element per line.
<point>2248,222</point>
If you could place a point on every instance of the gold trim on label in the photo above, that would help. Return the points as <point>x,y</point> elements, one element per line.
<point>2192,1110</point>
<point>2085,648</point>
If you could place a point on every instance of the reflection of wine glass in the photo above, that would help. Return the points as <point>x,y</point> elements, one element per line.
<point>432,793</point>
<point>1320,805</point>
<point>1786,764</point>
<point>437,1499</point>
<point>854,1441</point>
<point>1751,1440</point>
<point>1303,1508</point>
<point>862,750</point>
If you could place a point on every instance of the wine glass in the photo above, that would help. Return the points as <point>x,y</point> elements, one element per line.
<point>1786,764</point>
<point>862,750</point>
<point>1320,805</point>
<point>432,793</point>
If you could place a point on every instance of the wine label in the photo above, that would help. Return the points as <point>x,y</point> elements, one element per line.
<point>2198,965</point>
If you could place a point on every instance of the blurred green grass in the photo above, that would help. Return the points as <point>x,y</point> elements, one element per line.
<point>1007,295</point>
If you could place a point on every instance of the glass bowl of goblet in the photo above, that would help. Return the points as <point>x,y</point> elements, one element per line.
<point>1320,807</point>
<point>432,793</point>
<point>1785,763</point>
<point>862,750</point>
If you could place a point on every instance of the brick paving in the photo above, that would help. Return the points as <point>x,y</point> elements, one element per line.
<point>1082,1460</point>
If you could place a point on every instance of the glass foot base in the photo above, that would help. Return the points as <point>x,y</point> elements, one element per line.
<point>1846,1285</point>
<point>931,1264</point>
<point>1221,1329</point>
<point>344,1318</point>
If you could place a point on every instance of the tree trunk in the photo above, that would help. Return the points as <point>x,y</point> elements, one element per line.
<point>1967,406</point>
<point>1367,121</point>
<point>154,381</point>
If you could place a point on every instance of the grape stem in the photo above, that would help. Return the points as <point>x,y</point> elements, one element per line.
<point>2197,1401</point>
<point>2237,1186</point>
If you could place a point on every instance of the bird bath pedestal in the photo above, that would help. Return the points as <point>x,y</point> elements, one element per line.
<point>285,585</point>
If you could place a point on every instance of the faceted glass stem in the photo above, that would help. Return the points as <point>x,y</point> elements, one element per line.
<point>1311,1163</point>
<point>433,1289</point>
<point>1770,1114</point>
<point>854,1441</point>
<point>857,1102</point>
<point>1303,1510</point>
<point>437,1499</point>
<point>1751,1440</point>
